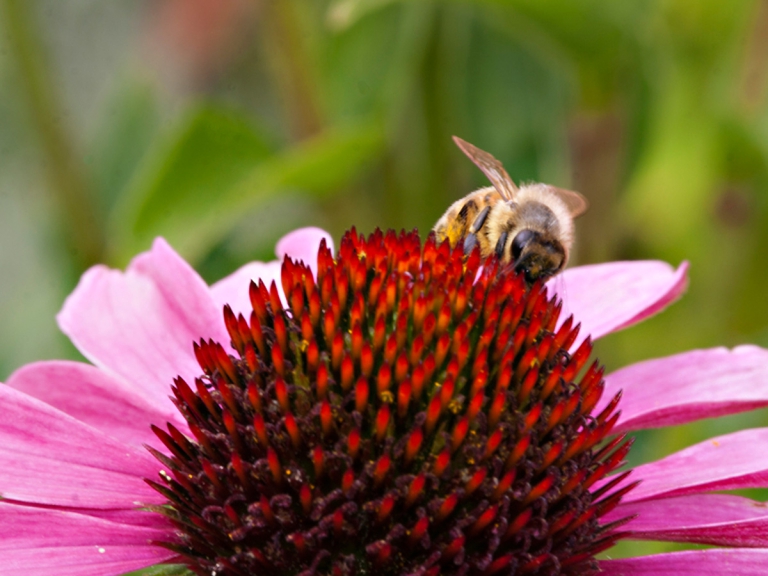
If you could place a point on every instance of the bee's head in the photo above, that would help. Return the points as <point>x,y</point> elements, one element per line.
<point>537,256</point>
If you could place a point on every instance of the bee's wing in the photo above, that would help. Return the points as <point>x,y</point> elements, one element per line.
<point>491,167</point>
<point>575,202</point>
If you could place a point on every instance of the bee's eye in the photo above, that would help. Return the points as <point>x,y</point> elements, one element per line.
<point>520,242</point>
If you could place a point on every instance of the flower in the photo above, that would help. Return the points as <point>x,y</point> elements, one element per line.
<point>315,430</point>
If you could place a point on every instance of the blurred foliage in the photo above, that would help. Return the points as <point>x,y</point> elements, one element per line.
<point>223,124</point>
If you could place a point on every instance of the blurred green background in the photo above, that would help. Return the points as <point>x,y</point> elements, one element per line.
<point>223,124</point>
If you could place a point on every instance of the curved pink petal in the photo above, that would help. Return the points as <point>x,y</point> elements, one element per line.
<point>718,519</point>
<point>92,560</point>
<point>96,398</point>
<point>31,528</point>
<point>48,457</point>
<point>302,244</point>
<point>125,323</point>
<point>715,562</point>
<point>233,289</point>
<point>608,297</point>
<point>689,386</point>
<point>183,289</point>
<point>737,460</point>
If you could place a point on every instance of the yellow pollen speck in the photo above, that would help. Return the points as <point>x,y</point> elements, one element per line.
<point>454,406</point>
<point>471,461</point>
<point>287,472</point>
<point>303,346</point>
<point>715,443</point>
<point>387,397</point>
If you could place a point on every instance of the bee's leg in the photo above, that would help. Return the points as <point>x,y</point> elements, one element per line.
<point>500,245</point>
<point>471,239</point>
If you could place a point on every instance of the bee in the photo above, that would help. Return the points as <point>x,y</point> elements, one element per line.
<point>530,227</point>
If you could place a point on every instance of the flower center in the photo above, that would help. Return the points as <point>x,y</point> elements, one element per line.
<point>409,412</point>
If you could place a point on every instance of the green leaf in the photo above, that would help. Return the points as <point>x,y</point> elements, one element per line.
<point>162,570</point>
<point>216,168</point>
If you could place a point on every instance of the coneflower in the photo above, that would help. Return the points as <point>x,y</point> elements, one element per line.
<point>393,409</point>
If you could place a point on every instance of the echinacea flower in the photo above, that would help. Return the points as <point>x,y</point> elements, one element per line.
<point>393,409</point>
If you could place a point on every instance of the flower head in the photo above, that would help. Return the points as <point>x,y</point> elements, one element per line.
<point>406,413</point>
<point>393,409</point>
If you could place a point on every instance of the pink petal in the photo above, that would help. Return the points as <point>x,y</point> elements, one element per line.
<point>302,244</point>
<point>737,460</point>
<point>83,560</point>
<point>608,297</point>
<point>138,329</point>
<point>48,457</point>
<point>718,519</point>
<point>717,562</point>
<point>233,289</point>
<point>689,386</point>
<point>25,527</point>
<point>96,398</point>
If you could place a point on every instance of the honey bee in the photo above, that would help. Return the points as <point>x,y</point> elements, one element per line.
<point>530,227</point>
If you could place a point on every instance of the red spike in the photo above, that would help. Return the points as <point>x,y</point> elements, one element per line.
<point>578,360</point>
<point>347,480</point>
<point>496,409</point>
<point>485,519</point>
<point>504,484</point>
<point>274,299</point>
<point>385,508</point>
<point>250,358</point>
<point>415,490</point>
<point>353,442</point>
<point>326,418</point>
<point>441,349</point>
<point>539,490</point>
<point>446,392</point>
<point>459,433</point>
<point>499,564</point>
<point>382,422</point>
<point>450,551</point>
<point>383,378</point>
<point>281,393</point>
<point>356,347</point>
<point>532,417</point>
<point>293,430</point>
<point>258,335</point>
<point>278,360</point>
<point>417,381</point>
<point>518,451</point>
<point>403,398</point>
<point>418,531</point>
<point>260,429</point>
<point>305,497</point>
<point>493,442</point>
<point>475,405</point>
<point>518,523</point>
<point>274,465</point>
<point>433,412</point>
<point>475,482</point>
<point>381,470</point>
<point>361,395</point>
<point>258,303</point>
<point>413,444</point>
<point>448,505</point>
<point>318,459</point>
<point>530,380</point>
<point>347,373</point>
<point>441,463</point>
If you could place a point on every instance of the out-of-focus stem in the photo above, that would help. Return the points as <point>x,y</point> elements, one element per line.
<point>291,66</point>
<point>82,223</point>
